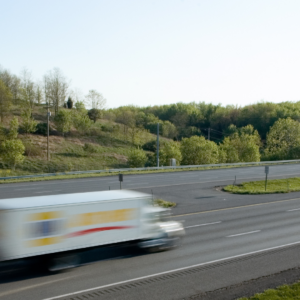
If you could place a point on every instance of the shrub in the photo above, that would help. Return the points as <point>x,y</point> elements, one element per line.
<point>151,160</point>
<point>12,152</point>
<point>170,150</point>
<point>107,128</point>
<point>94,114</point>
<point>41,128</point>
<point>197,150</point>
<point>91,148</point>
<point>137,158</point>
<point>150,146</point>
<point>63,121</point>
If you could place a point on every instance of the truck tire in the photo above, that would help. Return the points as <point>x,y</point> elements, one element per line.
<point>62,262</point>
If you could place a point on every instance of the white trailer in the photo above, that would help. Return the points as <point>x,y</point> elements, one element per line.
<point>54,228</point>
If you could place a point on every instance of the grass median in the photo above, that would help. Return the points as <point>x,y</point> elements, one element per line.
<point>258,187</point>
<point>284,292</point>
<point>164,203</point>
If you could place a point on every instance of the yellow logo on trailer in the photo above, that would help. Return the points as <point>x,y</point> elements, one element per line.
<point>101,217</point>
<point>44,228</point>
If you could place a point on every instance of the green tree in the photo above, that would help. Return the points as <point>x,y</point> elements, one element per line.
<point>12,82</point>
<point>222,156</point>
<point>12,152</point>
<point>137,158</point>
<point>170,150</point>
<point>197,150</point>
<point>283,139</point>
<point>5,100</point>
<point>79,105</point>
<point>13,129</point>
<point>242,145</point>
<point>70,103</point>
<point>81,120</point>
<point>94,114</point>
<point>28,124</point>
<point>169,130</point>
<point>229,152</point>
<point>63,121</point>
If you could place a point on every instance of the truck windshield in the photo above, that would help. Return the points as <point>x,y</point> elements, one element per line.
<point>158,216</point>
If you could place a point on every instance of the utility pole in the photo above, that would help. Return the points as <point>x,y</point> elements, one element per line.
<point>157,146</point>
<point>208,135</point>
<point>48,116</point>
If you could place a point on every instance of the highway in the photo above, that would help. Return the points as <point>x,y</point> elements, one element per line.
<point>229,239</point>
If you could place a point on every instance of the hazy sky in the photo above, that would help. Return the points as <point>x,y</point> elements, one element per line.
<point>147,52</point>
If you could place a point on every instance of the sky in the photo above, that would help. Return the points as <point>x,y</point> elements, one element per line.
<point>153,52</point>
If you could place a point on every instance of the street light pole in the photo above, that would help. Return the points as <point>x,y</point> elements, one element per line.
<point>157,146</point>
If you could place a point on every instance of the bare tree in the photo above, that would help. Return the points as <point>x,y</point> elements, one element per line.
<point>27,89</point>
<point>39,93</point>
<point>77,95</point>
<point>55,88</point>
<point>95,99</point>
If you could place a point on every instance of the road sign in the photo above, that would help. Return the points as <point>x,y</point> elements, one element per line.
<point>267,172</point>
<point>267,169</point>
<point>120,179</point>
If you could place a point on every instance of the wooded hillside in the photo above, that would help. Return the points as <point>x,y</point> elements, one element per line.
<point>85,135</point>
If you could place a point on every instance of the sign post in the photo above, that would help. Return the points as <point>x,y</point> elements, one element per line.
<point>267,172</point>
<point>120,179</point>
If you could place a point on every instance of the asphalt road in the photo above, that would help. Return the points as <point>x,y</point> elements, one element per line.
<point>229,239</point>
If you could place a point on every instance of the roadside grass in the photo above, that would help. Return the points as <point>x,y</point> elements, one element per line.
<point>164,203</point>
<point>284,292</point>
<point>258,187</point>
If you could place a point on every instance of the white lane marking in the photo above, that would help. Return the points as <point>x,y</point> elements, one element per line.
<point>235,207</point>
<point>25,189</point>
<point>243,233</point>
<point>34,286</point>
<point>48,191</point>
<point>170,271</point>
<point>136,183</point>
<point>203,224</point>
<point>294,209</point>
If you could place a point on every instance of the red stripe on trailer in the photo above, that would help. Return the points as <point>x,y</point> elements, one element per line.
<point>92,230</point>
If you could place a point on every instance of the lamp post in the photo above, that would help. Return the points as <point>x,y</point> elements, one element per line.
<point>157,146</point>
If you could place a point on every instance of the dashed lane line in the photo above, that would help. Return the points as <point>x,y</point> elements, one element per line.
<point>244,233</point>
<point>235,207</point>
<point>203,224</point>
<point>294,209</point>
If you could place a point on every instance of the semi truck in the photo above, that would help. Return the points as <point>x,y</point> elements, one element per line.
<point>53,230</point>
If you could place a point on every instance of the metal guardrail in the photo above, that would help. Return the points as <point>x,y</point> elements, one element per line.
<point>153,168</point>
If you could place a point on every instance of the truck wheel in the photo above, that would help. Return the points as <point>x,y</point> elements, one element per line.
<point>62,262</point>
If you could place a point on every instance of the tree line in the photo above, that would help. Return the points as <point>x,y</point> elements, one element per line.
<point>197,133</point>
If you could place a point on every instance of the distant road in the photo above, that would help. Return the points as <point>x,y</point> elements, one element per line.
<point>229,239</point>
